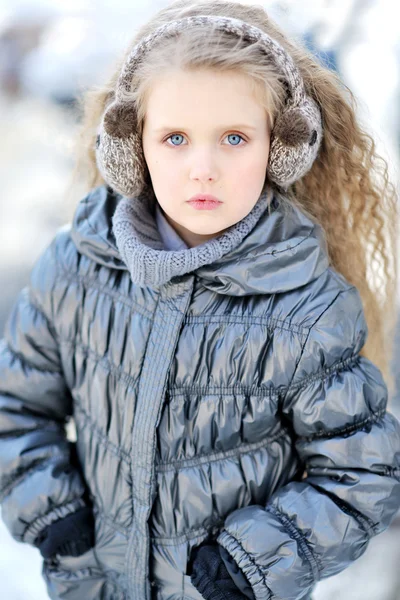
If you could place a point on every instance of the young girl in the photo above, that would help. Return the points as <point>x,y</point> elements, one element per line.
<point>203,322</point>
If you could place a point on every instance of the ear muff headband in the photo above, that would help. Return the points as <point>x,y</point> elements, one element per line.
<point>295,138</point>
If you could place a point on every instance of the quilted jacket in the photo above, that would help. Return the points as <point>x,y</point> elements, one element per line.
<point>229,404</point>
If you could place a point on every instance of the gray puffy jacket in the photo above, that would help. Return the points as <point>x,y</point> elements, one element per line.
<point>229,404</point>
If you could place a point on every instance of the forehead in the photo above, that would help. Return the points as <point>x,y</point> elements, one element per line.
<point>204,97</point>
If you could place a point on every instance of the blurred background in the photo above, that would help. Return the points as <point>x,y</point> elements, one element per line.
<point>50,50</point>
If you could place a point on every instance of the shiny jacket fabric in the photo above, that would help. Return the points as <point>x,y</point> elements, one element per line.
<point>229,404</point>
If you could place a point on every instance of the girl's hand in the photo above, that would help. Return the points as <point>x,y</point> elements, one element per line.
<point>210,576</point>
<point>71,536</point>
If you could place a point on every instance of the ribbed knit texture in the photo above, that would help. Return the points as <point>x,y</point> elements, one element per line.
<point>141,247</point>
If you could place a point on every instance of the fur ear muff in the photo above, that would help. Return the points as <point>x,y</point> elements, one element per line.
<point>292,128</point>
<point>120,119</point>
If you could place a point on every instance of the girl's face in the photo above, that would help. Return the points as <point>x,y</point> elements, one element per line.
<point>205,132</point>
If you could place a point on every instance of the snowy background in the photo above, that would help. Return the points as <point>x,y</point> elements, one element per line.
<point>48,51</point>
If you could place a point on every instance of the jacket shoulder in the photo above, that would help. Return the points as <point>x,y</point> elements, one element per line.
<point>340,310</point>
<point>325,295</point>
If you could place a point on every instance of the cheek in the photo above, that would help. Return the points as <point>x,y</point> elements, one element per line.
<point>255,163</point>
<point>162,173</point>
<point>166,182</point>
<point>250,173</point>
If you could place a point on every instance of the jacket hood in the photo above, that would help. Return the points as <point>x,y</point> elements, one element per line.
<point>283,251</point>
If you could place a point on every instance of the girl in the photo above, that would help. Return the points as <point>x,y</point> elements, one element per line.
<point>203,322</point>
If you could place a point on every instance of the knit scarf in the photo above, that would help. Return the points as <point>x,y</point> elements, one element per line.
<point>140,245</point>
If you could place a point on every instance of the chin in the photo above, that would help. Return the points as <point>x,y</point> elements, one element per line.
<point>206,230</point>
<point>210,224</point>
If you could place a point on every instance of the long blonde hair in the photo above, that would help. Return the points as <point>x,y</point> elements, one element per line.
<point>347,190</point>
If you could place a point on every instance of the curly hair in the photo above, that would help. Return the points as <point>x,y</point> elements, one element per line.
<point>347,190</point>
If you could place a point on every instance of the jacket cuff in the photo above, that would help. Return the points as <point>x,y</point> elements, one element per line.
<point>269,554</point>
<point>73,535</point>
<point>236,574</point>
<point>253,574</point>
<point>33,531</point>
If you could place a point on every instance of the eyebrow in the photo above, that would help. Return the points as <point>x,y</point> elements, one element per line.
<point>243,126</point>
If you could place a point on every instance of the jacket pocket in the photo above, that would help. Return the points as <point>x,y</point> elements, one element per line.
<point>189,591</point>
<point>76,577</point>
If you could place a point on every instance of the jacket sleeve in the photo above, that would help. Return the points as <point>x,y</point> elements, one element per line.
<point>349,444</point>
<point>39,482</point>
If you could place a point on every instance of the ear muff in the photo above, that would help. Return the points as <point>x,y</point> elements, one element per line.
<point>295,142</point>
<point>119,150</point>
<point>295,138</point>
<point>120,119</point>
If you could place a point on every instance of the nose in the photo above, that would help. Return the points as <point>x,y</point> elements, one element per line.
<point>203,166</point>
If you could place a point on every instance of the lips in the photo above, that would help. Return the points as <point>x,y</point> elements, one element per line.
<point>203,204</point>
<point>204,197</point>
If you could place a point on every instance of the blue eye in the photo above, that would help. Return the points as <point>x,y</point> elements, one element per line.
<point>175,135</point>
<point>235,135</point>
<point>179,135</point>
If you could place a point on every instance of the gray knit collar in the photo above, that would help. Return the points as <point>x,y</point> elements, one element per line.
<point>141,248</point>
<point>283,251</point>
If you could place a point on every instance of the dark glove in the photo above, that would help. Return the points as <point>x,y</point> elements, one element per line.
<point>210,576</point>
<point>71,536</point>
